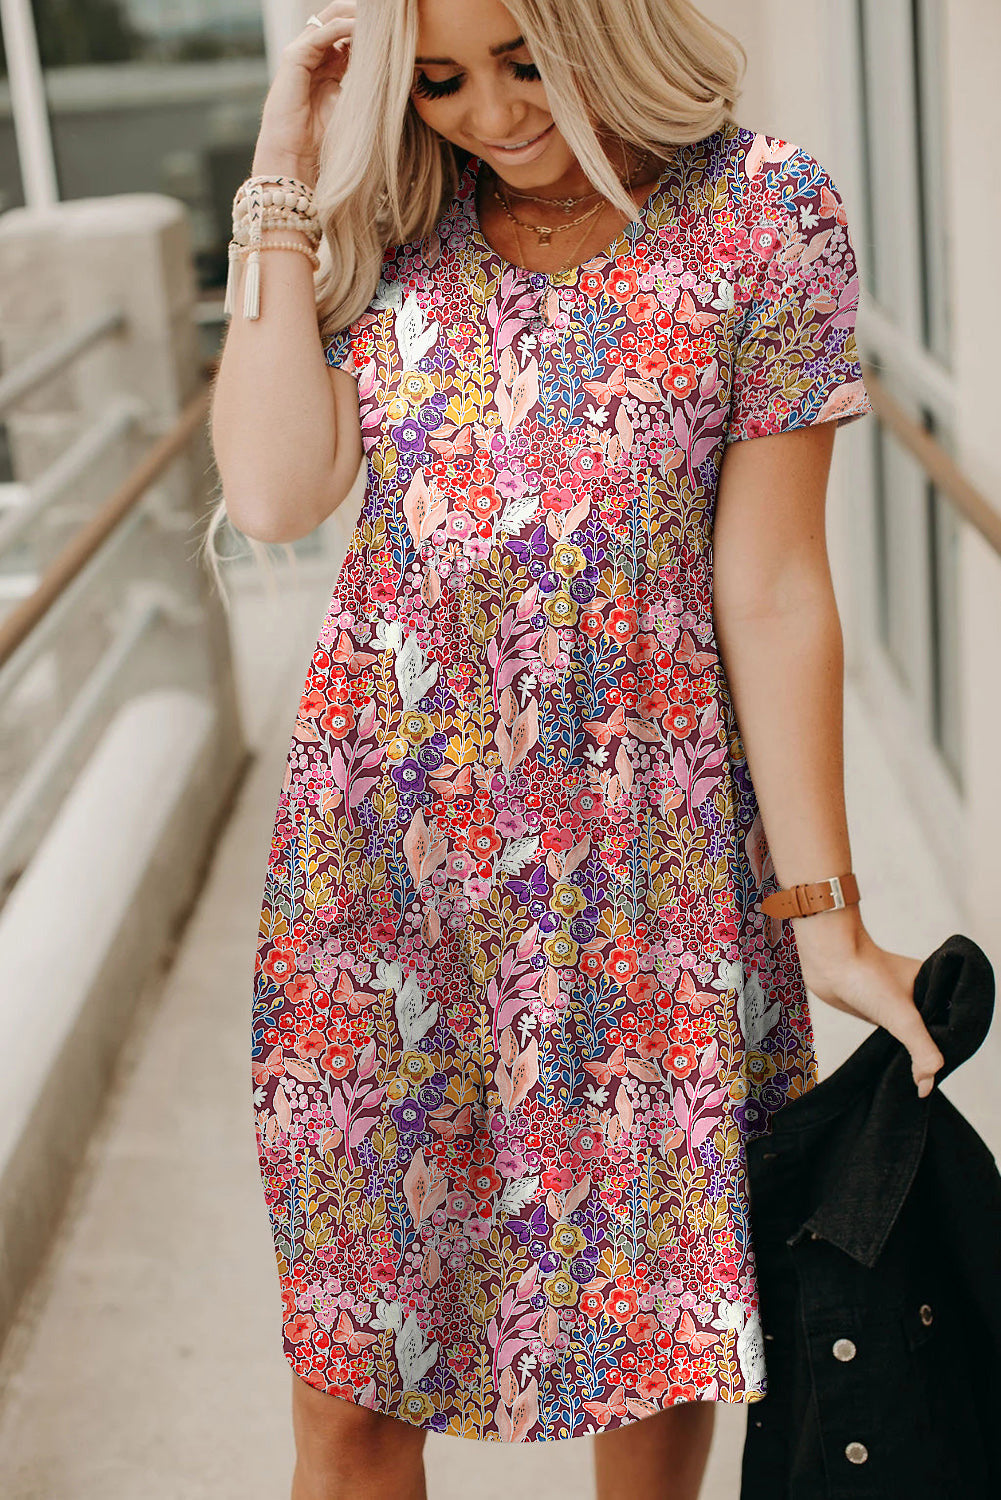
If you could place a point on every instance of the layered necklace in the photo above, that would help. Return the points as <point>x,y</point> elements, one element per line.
<point>545,232</point>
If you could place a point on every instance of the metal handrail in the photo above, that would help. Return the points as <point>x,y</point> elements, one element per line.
<point>67,564</point>
<point>940,468</point>
<point>52,358</point>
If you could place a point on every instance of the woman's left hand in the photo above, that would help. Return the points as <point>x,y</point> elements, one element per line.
<point>844,967</point>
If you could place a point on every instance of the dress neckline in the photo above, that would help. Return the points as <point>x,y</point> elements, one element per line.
<point>620,245</point>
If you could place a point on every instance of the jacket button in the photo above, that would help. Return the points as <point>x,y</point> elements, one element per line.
<point>856,1453</point>
<point>925,1314</point>
<point>844,1349</point>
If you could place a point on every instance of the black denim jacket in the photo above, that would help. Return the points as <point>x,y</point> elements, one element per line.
<point>876,1226</point>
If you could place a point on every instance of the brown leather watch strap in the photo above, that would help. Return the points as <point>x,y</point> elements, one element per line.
<point>817,895</point>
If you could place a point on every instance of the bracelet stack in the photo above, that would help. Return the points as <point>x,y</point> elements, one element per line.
<point>263,203</point>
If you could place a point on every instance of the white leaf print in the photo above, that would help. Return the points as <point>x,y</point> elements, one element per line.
<point>413,1356</point>
<point>412,1016</point>
<point>755,1015</point>
<point>388,294</point>
<point>515,854</point>
<point>388,636</point>
<point>518,512</point>
<point>516,1192</point>
<point>413,334</point>
<point>413,676</point>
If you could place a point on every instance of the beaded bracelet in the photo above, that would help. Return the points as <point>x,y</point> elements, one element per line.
<point>266,202</point>
<point>237,252</point>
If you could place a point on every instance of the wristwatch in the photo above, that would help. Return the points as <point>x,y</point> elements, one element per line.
<point>817,895</point>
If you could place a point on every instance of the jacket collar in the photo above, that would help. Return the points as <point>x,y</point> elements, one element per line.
<point>884,1122</point>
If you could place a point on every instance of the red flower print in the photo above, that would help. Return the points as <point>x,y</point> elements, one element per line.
<point>590,1304</point>
<point>557,1181</point>
<point>643,648</point>
<point>642,1328</point>
<point>484,1180</point>
<point>622,1303</point>
<point>682,719</point>
<point>651,366</point>
<point>383,931</point>
<point>681,380</point>
<point>559,499</point>
<point>482,500</point>
<point>643,988</point>
<point>590,964</point>
<point>299,1328</point>
<point>680,1060</point>
<point>591,623</point>
<point>621,965</point>
<point>588,803</point>
<point>483,841</point>
<point>338,721</point>
<point>642,308</point>
<point>338,1059</point>
<point>622,284</point>
<point>279,964</point>
<point>310,1045</point>
<point>652,1384</point>
<point>652,705</point>
<point>622,625</point>
<point>558,839</point>
<point>588,1143</point>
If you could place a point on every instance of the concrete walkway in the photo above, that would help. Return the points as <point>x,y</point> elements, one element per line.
<point>149,1362</point>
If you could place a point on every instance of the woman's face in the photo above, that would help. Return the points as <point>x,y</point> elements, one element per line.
<point>476,85</point>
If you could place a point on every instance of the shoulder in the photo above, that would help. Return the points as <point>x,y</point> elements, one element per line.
<point>777,180</point>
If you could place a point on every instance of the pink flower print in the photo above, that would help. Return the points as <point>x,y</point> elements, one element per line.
<point>460,863</point>
<point>460,526</point>
<point>765,240</point>
<point>588,464</point>
<point>509,824</point>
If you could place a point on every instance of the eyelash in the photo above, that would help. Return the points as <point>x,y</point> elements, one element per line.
<point>524,72</point>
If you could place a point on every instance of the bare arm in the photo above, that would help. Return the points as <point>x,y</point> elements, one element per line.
<point>780,642</point>
<point>285,426</point>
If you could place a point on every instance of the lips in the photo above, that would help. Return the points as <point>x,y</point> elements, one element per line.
<point>521,145</point>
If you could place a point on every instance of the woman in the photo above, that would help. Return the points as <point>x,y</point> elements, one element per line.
<point>517,1006</point>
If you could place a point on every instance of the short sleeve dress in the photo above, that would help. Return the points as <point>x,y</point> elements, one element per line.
<point>516,1008</point>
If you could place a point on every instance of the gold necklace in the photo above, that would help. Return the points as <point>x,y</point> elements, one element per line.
<point>568,264</point>
<point>565,203</point>
<point>544,231</point>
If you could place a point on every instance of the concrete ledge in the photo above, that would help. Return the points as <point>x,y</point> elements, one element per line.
<point>81,934</point>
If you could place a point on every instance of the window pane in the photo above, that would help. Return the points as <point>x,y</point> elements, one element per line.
<point>156,96</point>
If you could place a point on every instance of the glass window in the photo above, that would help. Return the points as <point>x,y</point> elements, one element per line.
<point>152,96</point>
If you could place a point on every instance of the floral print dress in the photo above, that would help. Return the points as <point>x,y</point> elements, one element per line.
<point>516,1008</point>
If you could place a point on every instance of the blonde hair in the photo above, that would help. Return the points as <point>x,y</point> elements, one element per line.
<point>654,73</point>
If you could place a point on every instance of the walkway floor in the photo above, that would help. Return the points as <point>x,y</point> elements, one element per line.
<point>149,1360</point>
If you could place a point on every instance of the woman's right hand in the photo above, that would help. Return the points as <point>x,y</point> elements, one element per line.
<point>302,95</point>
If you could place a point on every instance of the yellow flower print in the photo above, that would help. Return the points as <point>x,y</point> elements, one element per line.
<point>568,559</point>
<point>416,1067</point>
<point>560,950</point>
<point>567,899</point>
<point>416,1407</point>
<point>416,387</point>
<point>397,1089</point>
<point>397,409</point>
<point>415,726</point>
<point>567,1240</point>
<point>397,749</point>
<point>561,1289</point>
<point>561,609</point>
<point>759,1066</point>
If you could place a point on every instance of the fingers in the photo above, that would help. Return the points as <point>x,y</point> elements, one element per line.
<point>905,1022</point>
<point>314,42</point>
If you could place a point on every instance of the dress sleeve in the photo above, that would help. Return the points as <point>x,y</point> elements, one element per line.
<point>796,361</point>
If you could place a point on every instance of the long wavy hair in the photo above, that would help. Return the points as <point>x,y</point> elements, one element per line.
<point>653,73</point>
